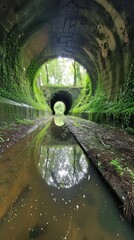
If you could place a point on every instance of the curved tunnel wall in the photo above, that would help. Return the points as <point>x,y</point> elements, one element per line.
<point>99,34</point>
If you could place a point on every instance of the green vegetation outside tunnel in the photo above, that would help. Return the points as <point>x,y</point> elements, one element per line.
<point>98,106</point>
<point>61,73</point>
<point>101,109</point>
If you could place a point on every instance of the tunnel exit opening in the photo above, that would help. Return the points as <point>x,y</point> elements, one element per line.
<point>61,101</point>
<point>61,72</point>
<point>58,77</point>
<point>59,108</point>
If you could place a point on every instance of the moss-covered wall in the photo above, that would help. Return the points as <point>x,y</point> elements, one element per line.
<point>50,91</point>
<point>13,112</point>
<point>99,34</point>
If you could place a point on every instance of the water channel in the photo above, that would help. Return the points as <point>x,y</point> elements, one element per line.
<point>49,190</point>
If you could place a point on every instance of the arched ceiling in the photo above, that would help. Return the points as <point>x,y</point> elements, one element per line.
<point>96,33</point>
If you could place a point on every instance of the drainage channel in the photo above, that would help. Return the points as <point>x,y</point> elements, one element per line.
<point>50,190</point>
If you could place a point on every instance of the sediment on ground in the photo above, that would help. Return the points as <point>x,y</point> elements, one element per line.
<point>12,133</point>
<point>111,150</point>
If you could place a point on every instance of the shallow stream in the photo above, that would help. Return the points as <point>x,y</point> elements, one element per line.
<point>49,190</point>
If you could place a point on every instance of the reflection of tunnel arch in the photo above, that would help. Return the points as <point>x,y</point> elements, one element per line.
<point>63,96</point>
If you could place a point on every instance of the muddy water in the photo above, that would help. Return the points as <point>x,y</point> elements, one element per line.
<point>50,191</point>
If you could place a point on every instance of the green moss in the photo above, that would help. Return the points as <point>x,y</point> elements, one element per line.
<point>81,104</point>
<point>117,166</point>
<point>25,121</point>
<point>15,85</point>
<point>122,170</point>
<point>120,110</point>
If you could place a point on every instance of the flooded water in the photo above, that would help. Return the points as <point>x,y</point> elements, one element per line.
<point>50,191</point>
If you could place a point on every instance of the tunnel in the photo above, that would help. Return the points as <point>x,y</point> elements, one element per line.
<point>91,146</point>
<point>64,97</point>
<point>96,33</point>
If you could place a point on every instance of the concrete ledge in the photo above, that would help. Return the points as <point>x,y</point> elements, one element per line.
<point>102,144</point>
<point>11,110</point>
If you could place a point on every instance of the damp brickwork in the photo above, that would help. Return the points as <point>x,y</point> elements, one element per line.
<point>99,34</point>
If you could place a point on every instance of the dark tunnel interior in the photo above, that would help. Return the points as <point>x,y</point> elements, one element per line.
<point>49,189</point>
<point>64,97</point>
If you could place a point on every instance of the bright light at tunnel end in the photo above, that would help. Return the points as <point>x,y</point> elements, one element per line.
<point>59,108</point>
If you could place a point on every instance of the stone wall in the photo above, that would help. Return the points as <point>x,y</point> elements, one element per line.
<point>50,91</point>
<point>98,34</point>
<point>11,111</point>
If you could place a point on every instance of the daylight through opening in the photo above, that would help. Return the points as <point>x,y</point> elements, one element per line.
<point>62,75</point>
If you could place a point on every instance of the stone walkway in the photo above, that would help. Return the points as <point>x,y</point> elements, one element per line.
<point>112,152</point>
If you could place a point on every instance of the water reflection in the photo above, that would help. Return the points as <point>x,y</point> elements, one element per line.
<point>59,134</point>
<point>32,209</point>
<point>62,166</point>
<point>58,121</point>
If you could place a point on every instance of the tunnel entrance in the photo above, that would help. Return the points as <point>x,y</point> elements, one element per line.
<point>98,35</point>
<point>62,74</point>
<point>64,97</point>
<point>62,71</point>
<point>59,108</point>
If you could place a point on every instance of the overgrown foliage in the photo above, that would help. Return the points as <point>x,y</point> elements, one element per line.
<point>16,87</point>
<point>61,72</point>
<point>14,83</point>
<point>120,110</point>
<point>122,170</point>
<point>81,104</point>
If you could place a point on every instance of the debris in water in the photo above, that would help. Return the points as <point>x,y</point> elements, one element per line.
<point>36,231</point>
<point>88,177</point>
